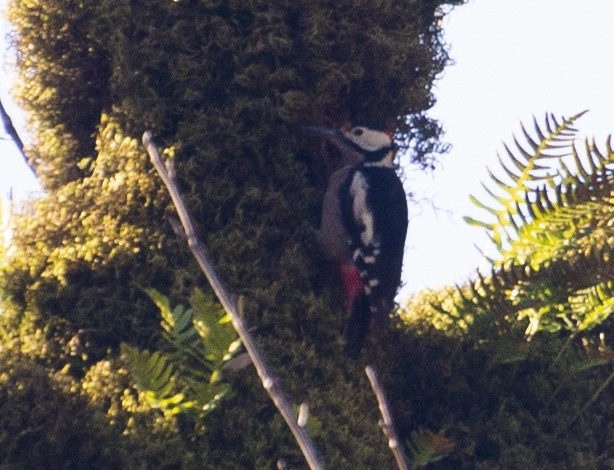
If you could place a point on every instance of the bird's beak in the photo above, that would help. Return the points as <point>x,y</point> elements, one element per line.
<point>333,134</point>
<point>349,154</point>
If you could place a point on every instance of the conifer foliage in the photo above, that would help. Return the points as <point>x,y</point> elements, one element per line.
<point>225,85</point>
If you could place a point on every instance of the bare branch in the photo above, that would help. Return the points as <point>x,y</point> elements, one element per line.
<point>386,423</point>
<point>12,133</point>
<point>269,381</point>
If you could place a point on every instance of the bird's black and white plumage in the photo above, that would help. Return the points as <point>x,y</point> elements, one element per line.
<point>364,224</point>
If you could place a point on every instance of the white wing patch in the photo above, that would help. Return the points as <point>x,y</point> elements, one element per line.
<point>362,212</point>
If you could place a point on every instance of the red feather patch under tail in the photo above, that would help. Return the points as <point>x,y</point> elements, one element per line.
<point>357,304</point>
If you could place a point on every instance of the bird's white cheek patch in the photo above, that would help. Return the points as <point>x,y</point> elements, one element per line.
<point>369,139</point>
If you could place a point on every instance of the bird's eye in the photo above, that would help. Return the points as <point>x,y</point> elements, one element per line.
<point>357,131</point>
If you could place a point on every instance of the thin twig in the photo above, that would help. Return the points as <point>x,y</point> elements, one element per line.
<point>12,133</point>
<point>591,401</point>
<point>386,423</point>
<point>269,381</point>
<point>599,391</point>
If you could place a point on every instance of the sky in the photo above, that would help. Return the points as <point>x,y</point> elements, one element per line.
<point>513,59</point>
<point>14,173</point>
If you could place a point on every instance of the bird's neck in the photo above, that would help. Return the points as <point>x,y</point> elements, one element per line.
<point>382,158</point>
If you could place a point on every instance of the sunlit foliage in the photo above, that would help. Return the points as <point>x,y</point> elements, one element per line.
<point>526,347</point>
<point>552,223</point>
<point>187,375</point>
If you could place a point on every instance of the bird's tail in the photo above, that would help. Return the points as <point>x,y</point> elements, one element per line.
<point>357,326</point>
<point>357,304</point>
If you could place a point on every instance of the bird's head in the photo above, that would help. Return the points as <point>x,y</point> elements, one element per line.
<point>368,139</point>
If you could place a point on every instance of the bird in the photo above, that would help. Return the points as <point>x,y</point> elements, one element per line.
<point>364,225</point>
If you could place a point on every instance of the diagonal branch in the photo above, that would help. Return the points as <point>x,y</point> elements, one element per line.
<point>386,423</point>
<point>12,133</point>
<point>269,381</point>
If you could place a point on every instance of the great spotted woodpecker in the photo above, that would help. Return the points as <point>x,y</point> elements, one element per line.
<point>364,224</point>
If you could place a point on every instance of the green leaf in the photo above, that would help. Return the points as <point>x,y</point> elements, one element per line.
<point>188,376</point>
<point>477,223</point>
<point>213,326</point>
<point>528,169</point>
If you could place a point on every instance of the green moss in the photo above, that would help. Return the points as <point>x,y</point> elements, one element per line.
<point>225,87</point>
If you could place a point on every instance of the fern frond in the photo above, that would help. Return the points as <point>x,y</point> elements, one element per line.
<point>182,339</point>
<point>556,294</point>
<point>554,235</point>
<point>218,337</point>
<point>198,344</point>
<point>534,161</point>
<point>155,376</point>
<point>427,447</point>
